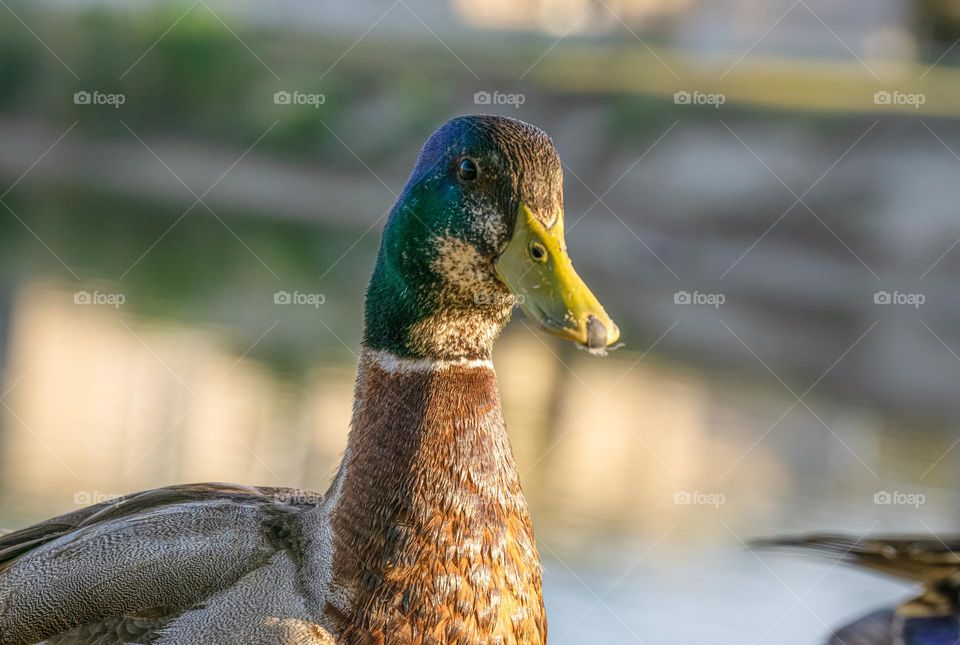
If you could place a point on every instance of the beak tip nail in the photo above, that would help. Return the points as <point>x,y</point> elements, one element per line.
<point>596,333</point>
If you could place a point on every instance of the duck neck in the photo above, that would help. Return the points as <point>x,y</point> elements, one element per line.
<point>417,313</point>
<point>431,532</point>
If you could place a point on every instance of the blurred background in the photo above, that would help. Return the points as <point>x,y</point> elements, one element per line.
<point>763,194</point>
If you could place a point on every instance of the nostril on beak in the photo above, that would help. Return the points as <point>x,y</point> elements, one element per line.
<point>596,333</point>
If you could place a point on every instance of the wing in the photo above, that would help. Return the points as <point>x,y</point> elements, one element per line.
<point>140,559</point>
<point>929,619</point>
<point>928,560</point>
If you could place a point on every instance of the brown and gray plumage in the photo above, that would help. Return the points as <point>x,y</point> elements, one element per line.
<point>424,535</point>
<point>120,571</point>
<point>933,618</point>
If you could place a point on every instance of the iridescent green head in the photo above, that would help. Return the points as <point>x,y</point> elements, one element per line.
<point>478,229</point>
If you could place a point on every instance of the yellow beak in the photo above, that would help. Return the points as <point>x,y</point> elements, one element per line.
<point>536,268</point>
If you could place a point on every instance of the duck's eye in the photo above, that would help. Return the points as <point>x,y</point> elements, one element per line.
<point>538,252</point>
<point>467,170</point>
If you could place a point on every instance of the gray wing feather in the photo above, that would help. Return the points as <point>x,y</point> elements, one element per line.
<point>149,555</point>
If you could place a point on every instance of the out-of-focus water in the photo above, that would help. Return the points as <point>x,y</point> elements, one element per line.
<point>716,596</point>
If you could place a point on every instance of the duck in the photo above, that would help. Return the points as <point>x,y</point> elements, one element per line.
<point>423,535</point>
<point>932,618</point>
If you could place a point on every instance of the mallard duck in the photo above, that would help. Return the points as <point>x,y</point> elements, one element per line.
<point>424,535</point>
<point>933,618</point>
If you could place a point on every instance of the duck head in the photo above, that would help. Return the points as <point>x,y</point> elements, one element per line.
<point>477,229</point>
